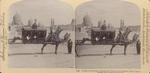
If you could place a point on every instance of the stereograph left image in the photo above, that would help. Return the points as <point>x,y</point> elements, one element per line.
<point>41,34</point>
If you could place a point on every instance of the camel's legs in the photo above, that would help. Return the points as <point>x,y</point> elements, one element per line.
<point>56,47</point>
<point>125,48</point>
<point>43,47</point>
<point>112,49</point>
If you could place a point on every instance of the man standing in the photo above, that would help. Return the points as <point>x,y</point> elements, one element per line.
<point>138,47</point>
<point>69,46</point>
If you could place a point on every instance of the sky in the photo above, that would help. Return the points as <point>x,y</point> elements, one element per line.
<point>110,10</point>
<point>43,11</point>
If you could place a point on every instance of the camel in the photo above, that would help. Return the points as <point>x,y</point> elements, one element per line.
<point>54,39</point>
<point>122,40</point>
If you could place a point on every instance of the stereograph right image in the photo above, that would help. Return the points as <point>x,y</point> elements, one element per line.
<point>107,35</point>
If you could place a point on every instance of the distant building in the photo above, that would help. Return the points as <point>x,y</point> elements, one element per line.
<point>87,21</point>
<point>16,20</point>
<point>30,22</point>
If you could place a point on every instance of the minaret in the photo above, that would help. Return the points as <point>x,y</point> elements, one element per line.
<point>73,22</point>
<point>99,23</point>
<point>121,24</point>
<point>109,27</point>
<point>52,22</point>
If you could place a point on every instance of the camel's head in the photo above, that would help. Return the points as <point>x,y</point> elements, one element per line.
<point>135,38</point>
<point>67,36</point>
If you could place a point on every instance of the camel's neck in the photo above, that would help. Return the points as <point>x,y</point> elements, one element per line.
<point>126,34</point>
<point>135,38</point>
<point>66,37</point>
<point>58,32</point>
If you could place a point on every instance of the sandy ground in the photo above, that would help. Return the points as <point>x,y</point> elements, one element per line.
<point>21,56</point>
<point>98,57</point>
